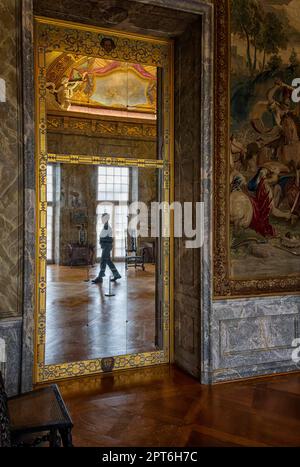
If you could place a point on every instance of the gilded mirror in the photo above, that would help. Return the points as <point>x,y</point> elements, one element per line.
<point>104,169</point>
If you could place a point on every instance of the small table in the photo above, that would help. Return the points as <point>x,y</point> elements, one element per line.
<point>42,410</point>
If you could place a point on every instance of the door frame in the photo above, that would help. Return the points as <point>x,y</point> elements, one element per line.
<point>203,8</point>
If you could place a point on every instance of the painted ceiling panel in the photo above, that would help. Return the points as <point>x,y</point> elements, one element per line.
<point>99,83</point>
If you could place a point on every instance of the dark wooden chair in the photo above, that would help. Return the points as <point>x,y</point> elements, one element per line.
<point>42,411</point>
<point>149,249</point>
<point>134,256</point>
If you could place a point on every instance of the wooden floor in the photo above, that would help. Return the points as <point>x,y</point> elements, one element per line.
<point>82,323</point>
<point>163,406</point>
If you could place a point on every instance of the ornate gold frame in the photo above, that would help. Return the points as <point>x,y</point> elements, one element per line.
<point>76,38</point>
<point>224,285</point>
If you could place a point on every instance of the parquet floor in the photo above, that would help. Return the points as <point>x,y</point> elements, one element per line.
<point>165,407</point>
<point>82,323</point>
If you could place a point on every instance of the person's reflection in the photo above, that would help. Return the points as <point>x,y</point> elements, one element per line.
<point>106,243</point>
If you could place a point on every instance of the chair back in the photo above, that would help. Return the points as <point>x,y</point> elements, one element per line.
<point>130,241</point>
<point>5,440</point>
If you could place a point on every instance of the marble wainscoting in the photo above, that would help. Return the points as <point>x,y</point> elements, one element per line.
<point>253,337</point>
<point>10,335</point>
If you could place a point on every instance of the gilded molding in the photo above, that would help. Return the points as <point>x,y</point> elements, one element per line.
<point>88,367</point>
<point>101,128</point>
<point>107,160</point>
<point>71,38</point>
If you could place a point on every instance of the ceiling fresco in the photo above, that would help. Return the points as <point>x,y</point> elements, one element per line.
<point>88,82</point>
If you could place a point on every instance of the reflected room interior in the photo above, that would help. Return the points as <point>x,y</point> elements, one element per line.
<point>101,108</point>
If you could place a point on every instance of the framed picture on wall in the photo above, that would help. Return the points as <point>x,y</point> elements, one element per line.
<point>257,148</point>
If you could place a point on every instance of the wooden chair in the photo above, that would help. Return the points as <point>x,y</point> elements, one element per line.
<point>134,256</point>
<point>42,411</point>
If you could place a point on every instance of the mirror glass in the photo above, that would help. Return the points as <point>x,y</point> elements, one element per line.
<point>103,262</point>
<point>104,277</point>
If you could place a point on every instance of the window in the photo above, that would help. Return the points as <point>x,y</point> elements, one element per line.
<point>50,199</point>
<point>113,196</point>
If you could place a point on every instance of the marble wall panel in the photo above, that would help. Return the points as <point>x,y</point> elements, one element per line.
<point>10,165</point>
<point>17,194</point>
<point>251,337</point>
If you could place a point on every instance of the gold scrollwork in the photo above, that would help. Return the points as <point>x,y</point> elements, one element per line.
<point>77,39</point>
<point>103,128</point>
<point>89,367</point>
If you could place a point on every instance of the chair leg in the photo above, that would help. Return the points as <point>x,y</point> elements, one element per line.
<point>66,436</point>
<point>54,439</point>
